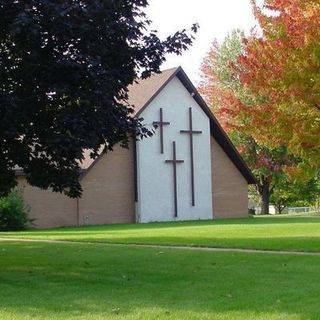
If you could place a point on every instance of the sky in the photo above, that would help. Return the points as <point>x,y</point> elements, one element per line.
<point>216,19</point>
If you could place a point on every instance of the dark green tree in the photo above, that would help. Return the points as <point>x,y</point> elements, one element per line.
<point>64,71</point>
<point>295,193</point>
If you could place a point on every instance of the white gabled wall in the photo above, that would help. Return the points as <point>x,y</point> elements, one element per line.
<point>155,177</point>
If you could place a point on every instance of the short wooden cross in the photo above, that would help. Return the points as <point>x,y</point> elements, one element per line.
<point>191,132</point>
<point>161,124</point>
<point>174,162</point>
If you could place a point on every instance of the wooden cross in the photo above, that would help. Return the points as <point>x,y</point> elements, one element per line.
<point>174,162</point>
<point>161,124</point>
<point>191,132</point>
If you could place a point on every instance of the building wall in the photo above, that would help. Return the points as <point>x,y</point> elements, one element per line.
<point>155,176</point>
<point>49,209</point>
<point>108,189</point>
<point>108,195</point>
<point>229,187</point>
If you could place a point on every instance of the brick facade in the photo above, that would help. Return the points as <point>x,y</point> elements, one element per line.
<point>229,187</point>
<point>108,196</point>
<point>108,193</point>
<point>108,190</point>
<point>48,209</point>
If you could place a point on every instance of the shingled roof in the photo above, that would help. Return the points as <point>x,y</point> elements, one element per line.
<point>143,91</point>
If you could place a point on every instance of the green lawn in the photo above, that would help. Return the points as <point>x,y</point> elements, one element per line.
<point>266,233</point>
<point>94,281</point>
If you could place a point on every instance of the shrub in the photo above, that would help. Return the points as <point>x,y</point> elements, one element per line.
<point>13,212</point>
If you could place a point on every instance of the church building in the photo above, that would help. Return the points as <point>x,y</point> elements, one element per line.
<point>188,170</point>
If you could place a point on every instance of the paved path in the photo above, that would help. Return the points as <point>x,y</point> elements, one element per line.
<point>207,249</point>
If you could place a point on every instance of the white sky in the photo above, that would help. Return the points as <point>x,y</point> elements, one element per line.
<point>216,19</point>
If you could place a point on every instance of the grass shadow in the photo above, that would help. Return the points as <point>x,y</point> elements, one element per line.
<point>43,281</point>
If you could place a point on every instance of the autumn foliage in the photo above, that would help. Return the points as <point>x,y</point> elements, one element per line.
<point>231,101</point>
<point>265,90</point>
<point>281,62</point>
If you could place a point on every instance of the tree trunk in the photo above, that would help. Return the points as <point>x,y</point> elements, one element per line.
<point>264,191</point>
<point>280,208</point>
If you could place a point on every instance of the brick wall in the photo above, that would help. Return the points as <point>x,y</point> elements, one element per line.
<point>49,209</point>
<point>229,187</point>
<point>108,189</point>
<point>108,193</point>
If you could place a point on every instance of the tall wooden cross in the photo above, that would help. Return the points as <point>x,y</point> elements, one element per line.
<point>161,124</point>
<point>191,132</point>
<point>174,162</point>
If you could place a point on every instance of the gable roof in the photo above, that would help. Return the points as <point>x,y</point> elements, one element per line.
<point>142,93</point>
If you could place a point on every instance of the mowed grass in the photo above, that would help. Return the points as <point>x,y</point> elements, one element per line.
<point>82,281</point>
<point>266,233</point>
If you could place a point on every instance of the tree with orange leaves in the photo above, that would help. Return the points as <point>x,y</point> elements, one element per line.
<point>232,102</point>
<point>281,62</point>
